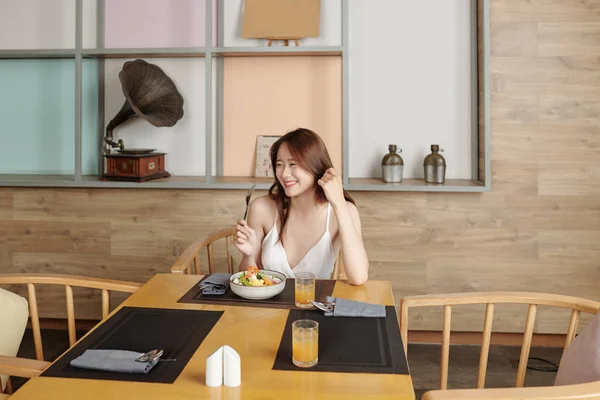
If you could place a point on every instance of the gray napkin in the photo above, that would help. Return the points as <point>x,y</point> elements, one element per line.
<point>215,284</point>
<point>352,308</point>
<point>113,360</point>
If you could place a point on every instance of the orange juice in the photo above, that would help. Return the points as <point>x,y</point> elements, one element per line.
<point>304,294</point>
<point>305,350</point>
<point>305,289</point>
<point>305,343</point>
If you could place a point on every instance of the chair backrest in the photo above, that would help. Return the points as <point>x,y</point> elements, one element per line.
<point>69,282</point>
<point>21,367</point>
<point>576,304</point>
<point>189,261</point>
<point>587,391</point>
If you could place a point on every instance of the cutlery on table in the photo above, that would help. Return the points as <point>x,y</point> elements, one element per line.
<point>327,307</point>
<point>248,196</point>
<point>153,355</point>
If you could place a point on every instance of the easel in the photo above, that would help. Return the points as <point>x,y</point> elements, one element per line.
<point>286,41</point>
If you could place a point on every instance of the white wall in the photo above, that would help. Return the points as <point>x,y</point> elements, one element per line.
<point>35,24</point>
<point>410,84</point>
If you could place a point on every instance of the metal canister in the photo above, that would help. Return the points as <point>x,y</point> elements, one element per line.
<point>392,165</point>
<point>434,166</point>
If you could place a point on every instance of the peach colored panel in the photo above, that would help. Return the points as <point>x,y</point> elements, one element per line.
<point>274,95</point>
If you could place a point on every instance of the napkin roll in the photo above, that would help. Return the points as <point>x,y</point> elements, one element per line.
<point>353,308</point>
<point>113,361</point>
<point>215,284</point>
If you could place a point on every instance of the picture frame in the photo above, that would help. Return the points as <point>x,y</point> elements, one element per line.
<point>263,167</point>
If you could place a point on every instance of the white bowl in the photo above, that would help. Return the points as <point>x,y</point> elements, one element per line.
<point>258,292</point>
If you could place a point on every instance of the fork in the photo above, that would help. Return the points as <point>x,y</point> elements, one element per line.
<point>248,196</point>
<point>323,306</point>
<point>153,355</point>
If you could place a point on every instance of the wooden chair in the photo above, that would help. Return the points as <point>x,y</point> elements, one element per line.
<point>189,261</point>
<point>191,255</point>
<point>577,305</point>
<point>587,391</point>
<point>26,368</point>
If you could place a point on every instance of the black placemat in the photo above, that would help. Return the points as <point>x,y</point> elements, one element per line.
<point>349,344</point>
<point>178,332</point>
<point>285,299</point>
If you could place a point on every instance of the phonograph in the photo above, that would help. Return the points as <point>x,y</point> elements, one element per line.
<point>149,94</point>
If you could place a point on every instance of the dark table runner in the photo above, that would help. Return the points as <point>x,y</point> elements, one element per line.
<point>285,299</point>
<point>178,332</point>
<point>349,344</point>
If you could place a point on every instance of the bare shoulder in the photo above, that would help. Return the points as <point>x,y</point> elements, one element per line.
<point>262,210</point>
<point>262,203</point>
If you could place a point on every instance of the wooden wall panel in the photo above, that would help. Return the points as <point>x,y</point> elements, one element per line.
<point>545,10</point>
<point>513,39</point>
<point>55,237</point>
<point>538,230</point>
<point>570,107</point>
<point>568,38</point>
<point>6,204</point>
<point>519,108</point>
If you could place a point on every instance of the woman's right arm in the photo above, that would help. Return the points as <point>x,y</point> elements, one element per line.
<point>250,233</point>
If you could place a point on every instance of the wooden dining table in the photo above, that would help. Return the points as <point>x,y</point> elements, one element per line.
<point>255,333</point>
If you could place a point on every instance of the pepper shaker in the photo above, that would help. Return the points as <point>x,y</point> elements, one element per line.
<point>434,166</point>
<point>392,165</point>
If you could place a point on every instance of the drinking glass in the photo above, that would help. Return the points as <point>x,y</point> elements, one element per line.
<point>305,289</point>
<point>305,343</point>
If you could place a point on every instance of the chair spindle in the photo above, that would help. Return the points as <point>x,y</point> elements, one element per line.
<point>485,344</point>
<point>526,346</point>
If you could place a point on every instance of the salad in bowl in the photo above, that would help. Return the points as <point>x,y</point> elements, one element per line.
<point>255,284</point>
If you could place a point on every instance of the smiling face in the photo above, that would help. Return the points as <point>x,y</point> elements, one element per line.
<point>294,179</point>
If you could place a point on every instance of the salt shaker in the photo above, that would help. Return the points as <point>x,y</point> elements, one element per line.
<point>392,165</point>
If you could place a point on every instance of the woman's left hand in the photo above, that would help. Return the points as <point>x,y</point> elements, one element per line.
<point>332,185</point>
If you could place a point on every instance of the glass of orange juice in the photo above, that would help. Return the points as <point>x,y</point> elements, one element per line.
<point>305,289</point>
<point>305,343</point>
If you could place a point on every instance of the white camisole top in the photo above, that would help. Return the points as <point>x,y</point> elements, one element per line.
<point>319,260</point>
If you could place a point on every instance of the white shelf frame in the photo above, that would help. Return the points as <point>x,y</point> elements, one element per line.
<point>215,179</point>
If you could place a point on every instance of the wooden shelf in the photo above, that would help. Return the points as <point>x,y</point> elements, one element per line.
<point>37,54</point>
<point>416,185</point>
<point>232,182</point>
<point>94,181</point>
<point>180,52</point>
<point>277,51</point>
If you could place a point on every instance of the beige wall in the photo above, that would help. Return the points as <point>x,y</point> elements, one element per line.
<point>311,89</point>
<point>539,228</point>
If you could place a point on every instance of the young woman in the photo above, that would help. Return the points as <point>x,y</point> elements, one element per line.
<point>307,218</point>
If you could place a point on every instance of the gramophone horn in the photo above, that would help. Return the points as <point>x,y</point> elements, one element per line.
<point>149,94</point>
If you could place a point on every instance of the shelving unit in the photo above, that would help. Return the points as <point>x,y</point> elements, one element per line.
<point>214,55</point>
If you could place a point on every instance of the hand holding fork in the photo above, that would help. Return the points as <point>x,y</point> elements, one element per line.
<point>245,239</point>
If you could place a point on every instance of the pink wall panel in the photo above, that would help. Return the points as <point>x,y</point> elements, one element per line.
<point>156,23</point>
<point>273,95</point>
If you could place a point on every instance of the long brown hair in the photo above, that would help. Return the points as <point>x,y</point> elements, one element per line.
<point>311,153</point>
